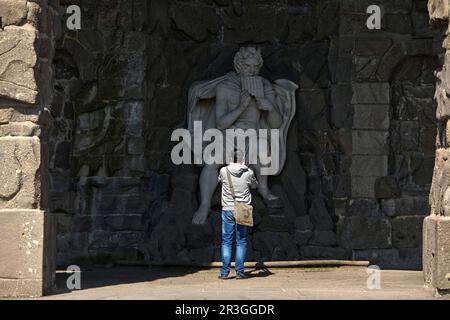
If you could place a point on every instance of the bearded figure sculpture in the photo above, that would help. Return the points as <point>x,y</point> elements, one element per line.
<point>242,100</point>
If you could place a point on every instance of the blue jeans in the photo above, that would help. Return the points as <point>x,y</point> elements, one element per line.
<point>229,229</point>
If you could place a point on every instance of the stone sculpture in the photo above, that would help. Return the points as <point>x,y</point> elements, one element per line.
<point>241,100</point>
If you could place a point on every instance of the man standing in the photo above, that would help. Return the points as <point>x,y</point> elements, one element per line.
<point>242,179</point>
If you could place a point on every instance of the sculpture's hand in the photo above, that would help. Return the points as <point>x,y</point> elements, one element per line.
<point>200,216</point>
<point>264,104</point>
<point>224,118</point>
<point>245,99</point>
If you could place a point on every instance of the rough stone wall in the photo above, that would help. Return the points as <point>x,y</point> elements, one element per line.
<point>27,231</point>
<point>393,131</point>
<point>100,178</point>
<point>361,146</point>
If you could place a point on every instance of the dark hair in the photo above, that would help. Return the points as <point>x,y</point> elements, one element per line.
<point>238,156</point>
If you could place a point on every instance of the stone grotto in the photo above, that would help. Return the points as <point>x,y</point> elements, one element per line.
<point>86,118</point>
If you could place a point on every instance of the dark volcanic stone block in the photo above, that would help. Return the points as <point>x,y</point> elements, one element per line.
<point>407,232</point>
<point>360,232</point>
<point>387,187</point>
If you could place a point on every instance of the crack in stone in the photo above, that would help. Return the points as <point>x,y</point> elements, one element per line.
<point>11,49</point>
<point>18,85</point>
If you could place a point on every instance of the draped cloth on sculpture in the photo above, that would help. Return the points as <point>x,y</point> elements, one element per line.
<point>201,107</point>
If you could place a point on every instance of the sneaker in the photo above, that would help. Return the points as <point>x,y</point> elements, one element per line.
<point>223,277</point>
<point>240,276</point>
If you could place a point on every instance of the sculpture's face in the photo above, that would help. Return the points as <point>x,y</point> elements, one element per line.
<point>248,67</point>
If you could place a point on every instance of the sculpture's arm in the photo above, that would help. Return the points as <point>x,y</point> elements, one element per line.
<point>273,117</point>
<point>225,119</point>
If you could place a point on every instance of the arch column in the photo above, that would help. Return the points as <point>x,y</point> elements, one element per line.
<point>436,228</point>
<point>27,235</point>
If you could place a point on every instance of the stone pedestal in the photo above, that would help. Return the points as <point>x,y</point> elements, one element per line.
<point>436,252</point>
<point>27,251</point>
<point>27,235</point>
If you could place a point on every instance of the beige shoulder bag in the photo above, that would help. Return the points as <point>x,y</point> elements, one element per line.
<point>243,213</point>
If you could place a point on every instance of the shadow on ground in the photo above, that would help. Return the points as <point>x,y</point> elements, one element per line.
<point>94,277</point>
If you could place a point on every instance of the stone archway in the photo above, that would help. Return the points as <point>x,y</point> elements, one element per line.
<point>27,41</point>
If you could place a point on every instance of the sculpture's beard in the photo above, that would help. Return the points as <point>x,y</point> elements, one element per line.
<point>248,74</point>
<point>244,74</point>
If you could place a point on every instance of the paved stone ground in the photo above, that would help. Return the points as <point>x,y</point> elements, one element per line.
<point>276,283</point>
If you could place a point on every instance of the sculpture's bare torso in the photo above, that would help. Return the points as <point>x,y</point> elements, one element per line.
<point>248,119</point>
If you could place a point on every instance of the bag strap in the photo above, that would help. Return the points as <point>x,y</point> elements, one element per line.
<point>231,184</point>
